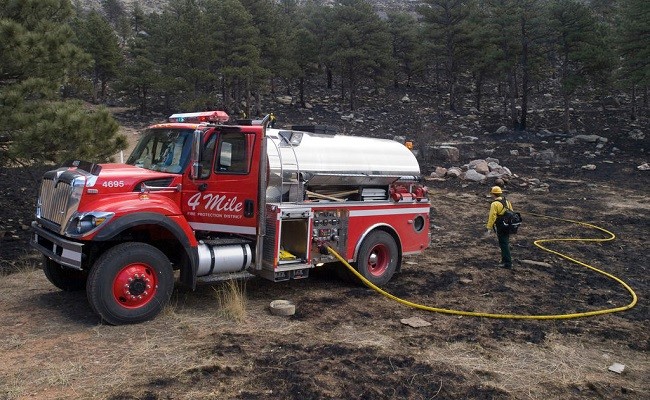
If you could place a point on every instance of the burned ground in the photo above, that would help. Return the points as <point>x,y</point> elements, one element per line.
<point>346,341</point>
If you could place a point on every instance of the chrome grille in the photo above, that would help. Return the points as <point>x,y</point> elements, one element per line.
<point>54,201</point>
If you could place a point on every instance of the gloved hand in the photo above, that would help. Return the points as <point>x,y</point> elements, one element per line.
<point>487,233</point>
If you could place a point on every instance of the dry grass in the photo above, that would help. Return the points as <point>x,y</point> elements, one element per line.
<point>232,300</point>
<point>26,263</point>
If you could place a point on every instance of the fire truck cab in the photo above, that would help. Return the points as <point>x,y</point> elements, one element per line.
<point>215,200</point>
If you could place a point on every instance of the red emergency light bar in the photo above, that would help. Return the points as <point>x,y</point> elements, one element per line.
<point>198,117</point>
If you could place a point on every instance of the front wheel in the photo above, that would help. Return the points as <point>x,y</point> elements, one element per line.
<point>378,257</point>
<point>67,279</point>
<point>130,283</point>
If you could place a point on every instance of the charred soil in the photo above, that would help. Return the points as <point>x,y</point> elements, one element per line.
<point>345,340</point>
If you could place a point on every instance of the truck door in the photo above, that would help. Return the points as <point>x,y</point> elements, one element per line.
<point>224,199</point>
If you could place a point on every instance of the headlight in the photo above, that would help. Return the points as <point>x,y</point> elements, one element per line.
<point>83,223</point>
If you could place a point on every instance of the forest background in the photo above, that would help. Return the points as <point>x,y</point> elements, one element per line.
<point>59,56</point>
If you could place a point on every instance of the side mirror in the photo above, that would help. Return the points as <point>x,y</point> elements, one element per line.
<point>197,145</point>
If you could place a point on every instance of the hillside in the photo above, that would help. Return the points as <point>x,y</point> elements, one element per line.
<point>346,341</point>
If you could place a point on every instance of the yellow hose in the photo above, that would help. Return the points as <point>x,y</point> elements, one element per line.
<point>517,316</point>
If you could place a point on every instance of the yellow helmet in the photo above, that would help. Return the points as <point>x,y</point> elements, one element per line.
<point>496,190</point>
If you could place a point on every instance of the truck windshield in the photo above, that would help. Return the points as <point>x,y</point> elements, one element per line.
<point>166,150</point>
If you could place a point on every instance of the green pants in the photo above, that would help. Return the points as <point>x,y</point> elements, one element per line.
<point>504,244</point>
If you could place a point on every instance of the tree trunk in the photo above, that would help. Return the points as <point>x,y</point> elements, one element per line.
<point>329,78</point>
<point>525,74</point>
<point>479,89</point>
<point>633,108</point>
<point>513,98</point>
<point>353,86</point>
<point>301,91</point>
<point>258,104</point>
<point>567,120</point>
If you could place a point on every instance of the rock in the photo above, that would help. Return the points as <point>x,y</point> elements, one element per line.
<point>454,172</point>
<point>285,100</point>
<point>590,138</point>
<point>589,167</point>
<point>440,172</point>
<point>400,139</point>
<point>349,117</point>
<point>472,175</point>
<point>502,129</point>
<point>499,172</point>
<point>446,153</point>
<point>643,167</point>
<point>479,166</point>
<point>617,367</point>
<point>636,134</point>
<point>536,263</point>
<point>415,322</point>
<point>514,152</point>
<point>547,155</point>
<point>406,99</point>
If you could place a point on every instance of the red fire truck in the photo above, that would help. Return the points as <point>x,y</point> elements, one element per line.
<point>211,200</point>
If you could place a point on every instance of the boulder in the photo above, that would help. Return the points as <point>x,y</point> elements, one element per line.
<point>446,153</point>
<point>502,129</point>
<point>479,166</point>
<point>285,100</point>
<point>472,175</point>
<point>589,167</point>
<point>454,172</point>
<point>644,167</point>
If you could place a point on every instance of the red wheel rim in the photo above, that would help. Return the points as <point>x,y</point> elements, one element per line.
<point>135,285</point>
<point>378,260</point>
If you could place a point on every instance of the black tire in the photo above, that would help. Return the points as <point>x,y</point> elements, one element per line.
<point>67,279</point>
<point>130,283</point>
<point>378,257</point>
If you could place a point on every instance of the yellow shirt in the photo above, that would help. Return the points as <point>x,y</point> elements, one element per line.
<point>496,209</point>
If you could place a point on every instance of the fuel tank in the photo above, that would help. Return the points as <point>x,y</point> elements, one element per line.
<point>326,159</point>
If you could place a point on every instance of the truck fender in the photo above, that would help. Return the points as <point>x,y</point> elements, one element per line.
<point>177,225</point>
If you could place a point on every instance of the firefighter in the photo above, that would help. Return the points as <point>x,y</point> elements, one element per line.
<point>497,209</point>
<point>272,119</point>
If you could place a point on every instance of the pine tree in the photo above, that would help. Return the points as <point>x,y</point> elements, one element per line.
<point>633,41</point>
<point>579,47</point>
<point>448,39</point>
<point>359,46</point>
<point>38,60</point>
<point>406,47</point>
<point>235,43</point>
<point>98,39</point>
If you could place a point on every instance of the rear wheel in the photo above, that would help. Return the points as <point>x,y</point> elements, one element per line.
<point>67,279</point>
<point>378,257</point>
<point>130,283</point>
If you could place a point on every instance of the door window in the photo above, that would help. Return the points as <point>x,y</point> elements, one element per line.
<point>233,155</point>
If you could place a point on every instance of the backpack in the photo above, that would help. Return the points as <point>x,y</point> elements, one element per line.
<point>508,222</point>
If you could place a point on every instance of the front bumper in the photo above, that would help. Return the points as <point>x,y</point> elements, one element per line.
<point>63,251</point>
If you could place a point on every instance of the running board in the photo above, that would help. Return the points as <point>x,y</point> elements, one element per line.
<point>224,277</point>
